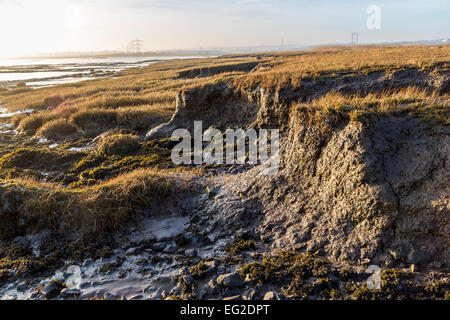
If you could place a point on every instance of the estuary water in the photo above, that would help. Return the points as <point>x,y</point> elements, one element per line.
<point>51,71</point>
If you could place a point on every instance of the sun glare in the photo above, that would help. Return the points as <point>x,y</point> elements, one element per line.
<point>43,26</point>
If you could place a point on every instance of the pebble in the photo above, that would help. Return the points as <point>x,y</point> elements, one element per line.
<point>70,292</point>
<point>171,248</point>
<point>159,246</point>
<point>189,236</point>
<point>270,295</point>
<point>21,287</point>
<point>134,251</point>
<point>230,280</point>
<point>191,253</point>
<point>50,290</point>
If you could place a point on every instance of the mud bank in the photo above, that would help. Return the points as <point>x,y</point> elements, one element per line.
<point>372,189</point>
<point>356,187</point>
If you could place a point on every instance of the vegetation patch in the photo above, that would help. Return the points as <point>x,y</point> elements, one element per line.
<point>97,167</point>
<point>289,269</point>
<point>92,210</point>
<point>334,108</point>
<point>239,245</point>
<point>57,130</point>
<point>95,121</point>
<point>32,123</point>
<point>120,144</point>
<point>24,159</point>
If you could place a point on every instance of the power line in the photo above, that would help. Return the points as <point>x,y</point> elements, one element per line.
<point>355,38</point>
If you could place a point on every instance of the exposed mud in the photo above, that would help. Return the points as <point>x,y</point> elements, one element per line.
<point>349,194</point>
<point>222,105</point>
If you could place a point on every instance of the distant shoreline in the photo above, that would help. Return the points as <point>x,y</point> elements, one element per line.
<point>93,55</point>
<point>42,72</point>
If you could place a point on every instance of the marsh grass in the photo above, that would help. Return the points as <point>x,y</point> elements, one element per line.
<point>58,129</point>
<point>155,87</point>
<point>106,206</point>
<point>32,123</point>
<point>120,144</point>
<point>414,101</point>
<point>290,69</point>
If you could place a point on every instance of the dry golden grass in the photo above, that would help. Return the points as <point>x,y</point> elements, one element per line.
<point>417,102</point>
<point>142,117</point>
<point>118,144</point>
<point>57,129</point>
<point>90,210</point>
<point>32,123</point>
<point>157,84</point>
<point>94,119</point>
<point>292,68</point>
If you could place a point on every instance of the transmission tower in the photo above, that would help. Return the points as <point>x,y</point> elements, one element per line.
<point>355,38</point>
<point>135,46</point>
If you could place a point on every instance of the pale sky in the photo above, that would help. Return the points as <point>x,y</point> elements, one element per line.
<point>38,26</point>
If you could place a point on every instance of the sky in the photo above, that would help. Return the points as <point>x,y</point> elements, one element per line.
<point>44,26</point>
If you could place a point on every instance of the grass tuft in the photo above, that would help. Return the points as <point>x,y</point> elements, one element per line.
<point>57,130</point>
<point>119,144</point>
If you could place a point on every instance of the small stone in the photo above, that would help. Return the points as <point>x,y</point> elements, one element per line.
<point>109,296</point>
<point>68,293</point>
<point>134,251</point>
<point>21,287</point>
<point>171,248</point>
<point>191,253</point>
<point>159,246</point>
<point>270,296</point>
<point>51,290</point>
<point>212,265</point>
<point>230,280</point>
<point>181,240</point>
